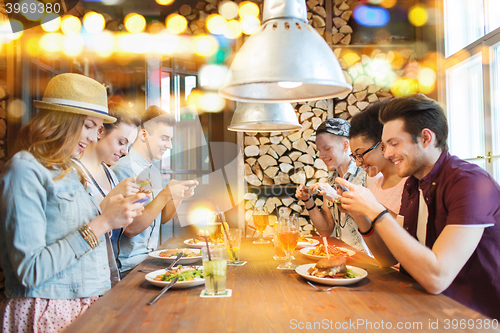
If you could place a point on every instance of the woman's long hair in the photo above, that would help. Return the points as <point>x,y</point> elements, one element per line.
<point>51,137</point>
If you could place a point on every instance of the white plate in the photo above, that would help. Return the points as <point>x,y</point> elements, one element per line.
<point>302,271</point>
<point>302,244</point>
<point>310,256</point>
<point>178,285</point>
<point>182,261</point>
<point>197,245</point>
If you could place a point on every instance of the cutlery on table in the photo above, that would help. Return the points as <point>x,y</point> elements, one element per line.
<point>179,256</point>
<point>164,290</point>
<point>335,287</point>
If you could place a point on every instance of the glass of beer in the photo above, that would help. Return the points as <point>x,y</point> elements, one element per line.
<point>288,235</point>
<point>260,222</point>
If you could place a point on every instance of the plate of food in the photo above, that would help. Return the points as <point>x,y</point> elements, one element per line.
<point>197,243</point>
<point>189,255</point>
<point>304,241</point>
<point>189,276</point>
<point>333,272</point>
<point>318,252</point>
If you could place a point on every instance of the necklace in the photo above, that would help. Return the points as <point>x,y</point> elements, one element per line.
<point>89,175</point>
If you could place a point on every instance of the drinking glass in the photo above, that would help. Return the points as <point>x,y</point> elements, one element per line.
<point>214,270</point>
<point>288,235</point>
<point>260,221</point>
<point>232,238</point>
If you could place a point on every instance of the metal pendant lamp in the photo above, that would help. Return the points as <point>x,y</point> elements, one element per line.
<point>258,117</point>
<point>285,61</point>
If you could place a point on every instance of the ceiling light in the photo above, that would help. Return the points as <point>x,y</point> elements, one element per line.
<point>273,55</point>
<point>259,117</point>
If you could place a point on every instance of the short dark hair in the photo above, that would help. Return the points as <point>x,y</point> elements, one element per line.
<point>367,124</point>
<point>123,114</point>
<point>418,112</point>
<point>155,115</point>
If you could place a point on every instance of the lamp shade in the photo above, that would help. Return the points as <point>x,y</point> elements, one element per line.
<point>285,52</point>
<point>258,117</point>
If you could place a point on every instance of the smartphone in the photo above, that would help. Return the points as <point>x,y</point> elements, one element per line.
<point>342,187</point>
<point>145,185</point>
<point>142,200</point>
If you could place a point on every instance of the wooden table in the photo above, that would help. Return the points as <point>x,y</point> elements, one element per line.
<point>266,299</point>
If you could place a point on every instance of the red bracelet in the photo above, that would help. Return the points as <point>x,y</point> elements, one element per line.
<point>368,233</point>
<point>372,229</point>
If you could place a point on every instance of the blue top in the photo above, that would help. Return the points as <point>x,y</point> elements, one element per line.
<point>43,254</point>
<point>133,251</point>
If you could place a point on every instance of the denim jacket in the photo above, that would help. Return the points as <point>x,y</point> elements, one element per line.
<point>43,254</point>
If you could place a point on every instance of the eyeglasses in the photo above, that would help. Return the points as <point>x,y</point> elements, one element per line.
<point>359,157</point>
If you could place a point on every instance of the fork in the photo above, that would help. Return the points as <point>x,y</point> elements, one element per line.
<point>335,287</point>
<point>179,256</point>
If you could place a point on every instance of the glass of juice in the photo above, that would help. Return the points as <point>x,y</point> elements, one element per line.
<point>260,222</point>
<point>214,270</point>
<point>232,240</point>
<point>288,235</point>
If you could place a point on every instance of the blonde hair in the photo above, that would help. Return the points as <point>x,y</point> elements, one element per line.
<point>51,137</point>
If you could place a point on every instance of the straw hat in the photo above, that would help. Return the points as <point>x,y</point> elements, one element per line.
<point>77,94</point>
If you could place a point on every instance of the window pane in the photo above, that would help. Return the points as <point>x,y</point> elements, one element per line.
<point>165,91</point>
<point>464,23</point>
<point>495,113</point>
<point>465,110</point>
<point>492,8</point>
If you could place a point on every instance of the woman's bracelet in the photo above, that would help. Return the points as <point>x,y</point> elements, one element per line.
<point>89,236</point>
<point>313,206</point>
<point>370,231</point>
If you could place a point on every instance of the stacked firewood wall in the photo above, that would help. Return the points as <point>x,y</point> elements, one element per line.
<point>291,158</point>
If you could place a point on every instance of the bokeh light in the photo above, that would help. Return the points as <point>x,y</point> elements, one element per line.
<point>250,25</point>
<point>71,25</point>
<point>164,2</point>
<point>194,98</point>
<point>228,9</point>
<point>176,23</point>
<point>135,23</point>
<point>388,3</point>
<point>51,22</point>
<point>16,109</point>
<point>212,102</point>
<point>94,22</point>
<point>379,68</point>
<point>417,15</point>
<point>32,13</point>
<point>205,45</point>
<point>221,55</point>
<point>233,29</point>
<point>165,43</point>
<point>404,87</point>
<point>398,60</point>
<point>73,45</point>
<point>6,30</point>
<point>247,8</point>
<point>350,58</point>
<point>426,80</point>
<point>135,43</point>
<point>216,24</point>
<point>212,76</point>
<point>51,42</point>
<point>104,44</point>
<point>371,16</point>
